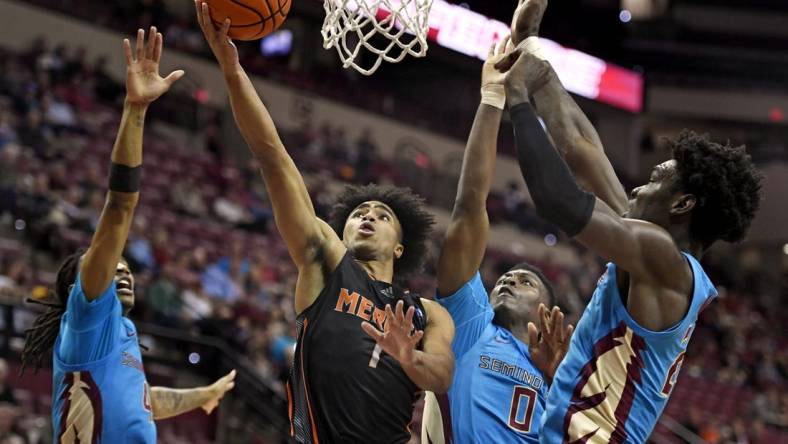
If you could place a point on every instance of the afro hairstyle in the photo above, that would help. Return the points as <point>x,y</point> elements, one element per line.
<point>725,182</point>
<point>409,208</point>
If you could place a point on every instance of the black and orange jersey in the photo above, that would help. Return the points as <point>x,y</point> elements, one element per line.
<point>342,387</point>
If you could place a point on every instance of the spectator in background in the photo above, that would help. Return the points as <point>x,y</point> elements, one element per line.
<point>13,277</point>
<point>366,153</point>
<point>36,133</point>
<point>8,425</point>
<point>95,205</point>
<point>106,88</point>
<point>772,407</point>
<point>57,112</point>
<point>318,145</point>
<point>7,131</point>
<point>184,197</point>
<point>160,241</point>
<point>196,304</point>
<point>228,208</point>
<point>139,250</point>
<point>164,298</point>
<point>219,284</point>
<point>6,392</point>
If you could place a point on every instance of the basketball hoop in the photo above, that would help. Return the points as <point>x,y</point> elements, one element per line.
<point>403,23</point>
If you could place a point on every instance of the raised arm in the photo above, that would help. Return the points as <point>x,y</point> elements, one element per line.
<point>578,142</point>
<point>573,134</point>
<point>466,237</point>
<point>644,250</point>
<point>169,402</point>
<point>143,86</point>
<point>304,234</point>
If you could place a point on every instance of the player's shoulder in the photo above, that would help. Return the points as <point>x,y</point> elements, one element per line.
<point>433,309</point>
<point>471,286</point>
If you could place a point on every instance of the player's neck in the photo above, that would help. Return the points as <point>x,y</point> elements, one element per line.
<point>681,236</point>
<point>519,329</point>
<point>377,270</point>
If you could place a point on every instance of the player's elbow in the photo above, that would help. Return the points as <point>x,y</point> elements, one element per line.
<point>122,202</point>
<point>470,200</point>
<point>444,375</point>
<point>444,381</point>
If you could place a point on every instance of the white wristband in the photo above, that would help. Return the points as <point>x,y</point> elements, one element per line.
<point>532,46</point>
<point>494,95</point>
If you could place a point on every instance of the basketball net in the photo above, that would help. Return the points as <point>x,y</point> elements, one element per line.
<point>351,26</point>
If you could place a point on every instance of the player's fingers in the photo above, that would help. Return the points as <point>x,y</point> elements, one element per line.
<point>174,76</point>
<point>509,61</point>
<point>544,320</point>
<point>226,26</point>
<point>552,317</point>
<point>158,47</point>
<point>127,51</point>
<point>509,45</point>
<point>207,22</point>
<point>231,376</point>
<point>140,49</point>
<point>417,335</point>
<point>567,337</point>
<point>409,318</point>
<point>533,335</point>
<point>558,325</point>
<point>399,312</point>
<point>491,52</point>
<point>542,326</point>
<point>502,45</point>
<point>372,331</point>
<point>390,318</point>
<point>198,11</point>
<point>150,47</point>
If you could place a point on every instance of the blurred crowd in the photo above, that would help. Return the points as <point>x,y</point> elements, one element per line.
<point>377,93</point>
<point>208,261</point>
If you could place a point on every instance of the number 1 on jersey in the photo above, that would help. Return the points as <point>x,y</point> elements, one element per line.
<point>373,361</point>
<point>524,412</point>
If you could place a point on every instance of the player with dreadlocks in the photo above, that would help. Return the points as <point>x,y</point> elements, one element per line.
<point>100,391</point>
<point>365,346</point>
<point>627,350</point>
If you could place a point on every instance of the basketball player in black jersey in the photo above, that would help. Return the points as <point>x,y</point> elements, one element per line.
<point>348,384</point>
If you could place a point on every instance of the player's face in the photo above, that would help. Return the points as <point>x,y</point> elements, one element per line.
<point>124,284</point>
<point>373,232</point>
<point>519,292</point>
<point>653,201</point>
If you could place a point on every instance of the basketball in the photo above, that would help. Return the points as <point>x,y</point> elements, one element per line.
<point>250,19</point>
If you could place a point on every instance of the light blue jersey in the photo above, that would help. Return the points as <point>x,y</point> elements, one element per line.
<point>497,395</point>
<point>617,376</point>
<point>100,393</point>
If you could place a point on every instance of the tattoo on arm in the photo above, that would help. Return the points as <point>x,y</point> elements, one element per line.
<point>168,402</point>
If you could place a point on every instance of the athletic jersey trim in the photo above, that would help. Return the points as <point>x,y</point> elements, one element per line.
<point>653,334</point>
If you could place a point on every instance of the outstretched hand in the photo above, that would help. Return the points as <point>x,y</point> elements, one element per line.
<point>144,84</point>
<point>498,52</point>
<point>218,389</point>
<point>526,19</point>
<point>548,349</point>
<point>217,37</point>
<point>398,338</point>
<point>525,73</point>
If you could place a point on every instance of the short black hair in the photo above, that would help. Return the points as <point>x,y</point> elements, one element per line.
<point>409,207</point>
<point>40,338</point>
<point>725,182</point>
<point>551,297</point>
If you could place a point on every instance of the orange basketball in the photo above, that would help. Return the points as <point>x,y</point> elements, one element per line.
<point>250,19</point>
